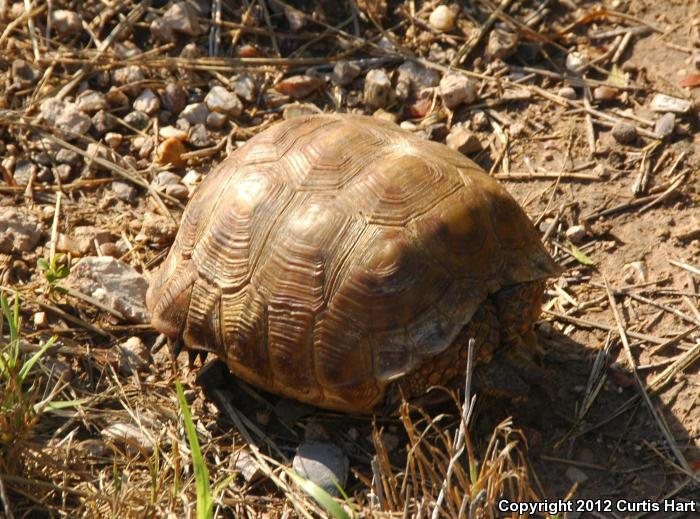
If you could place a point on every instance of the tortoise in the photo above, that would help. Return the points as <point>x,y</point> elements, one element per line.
<point>342,261</point>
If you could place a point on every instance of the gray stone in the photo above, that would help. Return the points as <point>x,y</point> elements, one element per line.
<point>246,465</point>
<point>91,102</point>
<point>24,171</point>
<point>502,43</point>
<point>66,117</point>
<point>66,22</point>
<point>244,86</point>
<point>103,122</point>
<point>624,133</point>
<point>124,191</point>
<point>147,102</point>
<point>665,125</point>
<point>216,120</point>
<point>165,178</point>
<point>221,100</point>
<point>174,98</point>
<point>345,72</point>
<point>114,284</point>
<point>195,113</point>
<point>64,156</point>
<point>127,75</point>
<point>413,78</point>
<point>198,136</point>
<point>138,120</point>
<point>323,463</point>
<point>180,18</point>
<point>457,89</point>
<point>19,231</point>
<point>133,356</point>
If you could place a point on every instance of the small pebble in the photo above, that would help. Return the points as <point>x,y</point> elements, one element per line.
<point>377,88</point>
<point>576,233</point>
<point>168,132</point>
<point>345,72</point>
<point>195,113</point>
<point>124,191</point>
<point>576,62</point>
<point>198,136</point>
<point>40,320</point>
<point>605,93</point>
<point>133,356</point>
<point>502,43</point>
<point>664,103</point>
<point>178,191</point>
<point>322,463</point>
<point>463,140</point>
<point>147,102</point>
<point>665,124</point>
<point>442,19</point>
<point>137,119</point>
<point>113,140</point>
<point>299,87</point>
<point>243,86</point>
<point>567,92</point>
<point>174,98</point>
<point>66,22</point>
<point>170,151</point>
<point>457,89</point>
<point>624,133</point>
<point>102,122</point>
<point>216,120</point>
<point>221,100</point>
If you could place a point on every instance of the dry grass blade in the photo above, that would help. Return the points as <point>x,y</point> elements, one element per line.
<point>642,388</point>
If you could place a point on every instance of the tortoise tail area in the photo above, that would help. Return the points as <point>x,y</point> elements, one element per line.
<point>169,294</point>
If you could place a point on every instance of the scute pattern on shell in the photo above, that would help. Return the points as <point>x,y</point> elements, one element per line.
<point>332,254</point>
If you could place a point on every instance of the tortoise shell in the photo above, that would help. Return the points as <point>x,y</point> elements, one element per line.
<point>332,255</point>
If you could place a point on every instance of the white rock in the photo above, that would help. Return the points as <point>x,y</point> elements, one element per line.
<point>66,22</point>
<point>147,102</point>
<point>216,120</point>
<point>113,140</point>
<point>576,233</point>
<point>181,18</point>
<point>19,231</point>
<point>442,19</point>
<point>133,356</point>
<point>113,283</point>
<point>127,75</point>
<point>168,132</point>
<point>576,62</point>
<point>457,89</point>
<point>665,124</point>
<point>323,463</point>
<point>221,100</point>
<point>244,86</point>
<point>664,103</point>
<point>195,113</point>
<point>66,117</point>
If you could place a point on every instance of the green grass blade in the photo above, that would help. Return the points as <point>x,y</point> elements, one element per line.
<point>57,405</point>
<point>580,256</point>
<point>205,504</point>
<point>322,497</point>
<point>26,368</point>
